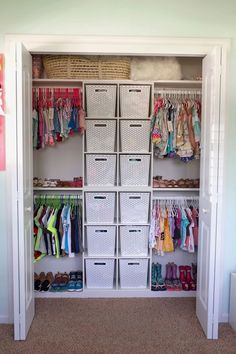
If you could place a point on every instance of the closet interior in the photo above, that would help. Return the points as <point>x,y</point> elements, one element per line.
<point>116,179</point>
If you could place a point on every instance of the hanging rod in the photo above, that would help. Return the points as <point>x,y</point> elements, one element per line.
<point>180,91</point>
<point>65,196</point>
<point>177,198</point>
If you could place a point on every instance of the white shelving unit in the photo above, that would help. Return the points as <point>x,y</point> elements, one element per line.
<point>117,189</point>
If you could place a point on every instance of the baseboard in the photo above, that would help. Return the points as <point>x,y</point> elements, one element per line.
<point>5,320</point>
<point>224,318</point>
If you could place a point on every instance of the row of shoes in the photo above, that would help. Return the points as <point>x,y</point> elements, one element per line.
<point>60,282</point>
<point>158,182</point>
<point>50,183</point>
<point>186,281</point>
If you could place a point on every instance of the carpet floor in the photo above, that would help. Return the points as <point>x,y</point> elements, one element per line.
<point>117,326</point>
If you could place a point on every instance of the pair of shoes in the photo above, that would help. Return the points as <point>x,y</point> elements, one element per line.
<point>60,282</point>
<point>42,282</point>
<point>172,281</point>
<point>186,278</point>
<point>158,283</point>
<point>75,283</point>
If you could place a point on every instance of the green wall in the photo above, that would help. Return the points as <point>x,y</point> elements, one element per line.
<point>185,18</point>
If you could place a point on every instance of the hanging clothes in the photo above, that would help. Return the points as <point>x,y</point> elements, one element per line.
<point>176,127</point>
<point>174,225</point>
<point>57,114</point>
<point>57,227</point>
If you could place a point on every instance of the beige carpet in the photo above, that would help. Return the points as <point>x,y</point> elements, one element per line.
<point>117,326</point>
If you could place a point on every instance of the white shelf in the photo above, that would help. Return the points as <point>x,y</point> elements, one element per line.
<point>134,257</point>
<point>133,224</point>
<point>95,81</point>
<point>131,189</point>
<point>176,189</point>
<point>101,118</point>
<point>100,224</point>
<point>76,189</point>
<point>135,153</point>
<point>99,257</point>
<point>179,83</point>
<point>101,152</point>
<point>116,293</point>
<point>59,81</point>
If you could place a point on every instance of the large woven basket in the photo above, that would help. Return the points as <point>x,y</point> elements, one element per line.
<point>81,67</point>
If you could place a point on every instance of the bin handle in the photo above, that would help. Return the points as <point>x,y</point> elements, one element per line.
<point>133,160</point>
<point>101,90</point>
<point>135,230</point>
<point>134,263</point>
<point>99,263</point>
<point>135,90</point>
<point>134,197</point>
<point>99,197</point>
<point>100,125</point>
<point>100,159</point>
<point>135,125</point>
<point>100,230</point>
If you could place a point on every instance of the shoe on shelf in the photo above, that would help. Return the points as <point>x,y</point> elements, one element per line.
<point>189,279</point>
<point>176,282</point>
<point>37,282</point>
<point>160,281</point>
<point>182,277</point>
<point>169,277</point>
<point>47,282</point>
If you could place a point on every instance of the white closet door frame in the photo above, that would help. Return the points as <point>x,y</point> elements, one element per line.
<point>196,47</point>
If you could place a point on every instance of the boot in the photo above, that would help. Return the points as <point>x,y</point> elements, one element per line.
<point>189,279</point>
<point>182,277</point>
<point>169,276</point>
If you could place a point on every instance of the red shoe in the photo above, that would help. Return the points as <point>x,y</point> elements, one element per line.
<point>182,278</point>
<point>189,279</point>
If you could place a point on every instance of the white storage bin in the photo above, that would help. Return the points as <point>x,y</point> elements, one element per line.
<point>134,207</point>
<point>100,170</point>
<point>133,273</point>
<point>135,135</point>
<point>134,240</point>
<point>101,240</point>
<point>135,101</point>
<point>100,273</point>
<point>100,135</point>
<point>134,170</point>
<point>100,207</point>
<point>101,100</point>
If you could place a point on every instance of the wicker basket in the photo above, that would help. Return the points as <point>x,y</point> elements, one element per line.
<point>81,67</point>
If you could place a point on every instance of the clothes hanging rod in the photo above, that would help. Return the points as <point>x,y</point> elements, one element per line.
<point>177,198</point>
<point>178,91</point>
<point>64,196</point>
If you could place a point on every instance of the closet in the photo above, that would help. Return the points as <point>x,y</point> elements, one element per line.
<point>106,157</point>
<point>117,200</point>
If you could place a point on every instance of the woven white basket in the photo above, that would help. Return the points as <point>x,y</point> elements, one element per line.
<point>134,170</point>
<point>134,207</point>
<point>100,273</point>
<point>100,100</point>
<point>134,240</point>
<point>100,207</point>
<point>101,240</point>
<point>100,135</point>
<point>135,135</point>
<point>135,101</point>
<point>100,170</point>
<point>133,273</point>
